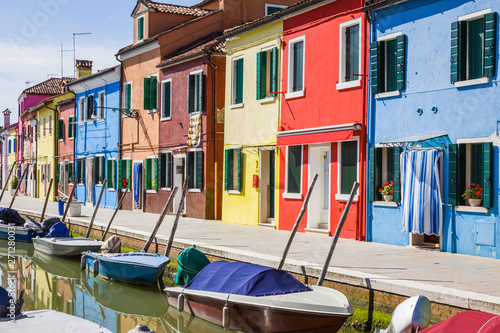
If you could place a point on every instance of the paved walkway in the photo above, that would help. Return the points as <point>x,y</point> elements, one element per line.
<point>453,279</point>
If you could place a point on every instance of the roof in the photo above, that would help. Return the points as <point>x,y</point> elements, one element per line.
<point>66,101</point>
<point>377,4</point>
<point>174,9</point>
<point>51,86</point>
<point>90,76</point>
<point>203,3</point>
<point>197,47</point>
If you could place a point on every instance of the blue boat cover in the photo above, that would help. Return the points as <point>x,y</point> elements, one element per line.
<point>245,279</point>
<point>58,230</point>
<point>9,215</point>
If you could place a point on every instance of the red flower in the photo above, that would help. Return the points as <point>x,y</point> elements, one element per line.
<point>478,193</point>
<point>380,190</point>
<point>472,184</point>
<point>386,184</point>
<point>392,191</point>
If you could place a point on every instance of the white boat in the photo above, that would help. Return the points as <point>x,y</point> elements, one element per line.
<point>66,247</point>
<point>48,321</point>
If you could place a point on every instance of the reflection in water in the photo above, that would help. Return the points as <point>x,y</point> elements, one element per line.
<point>60,284</point>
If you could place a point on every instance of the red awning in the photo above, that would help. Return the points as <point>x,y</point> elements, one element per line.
<point>315,137</point>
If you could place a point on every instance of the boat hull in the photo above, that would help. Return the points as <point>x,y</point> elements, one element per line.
<point>66,247</point>
<point>134,273</point>
<point>258,318</point>
<point>19,234</point>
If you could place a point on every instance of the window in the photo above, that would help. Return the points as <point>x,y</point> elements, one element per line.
<point>60,129</point>
<point>473,47</point>
<point>384,167</point>
<point>71,172</point>
<point>296,67</point>
<point>293,171</point>
<point>127,97</point>
<point>80,170</point>
<point>347,167</point>
<point>165,170</point>
<point>151,173</point>
<point>111,173</point>
<point>125,174</point>
<point>166,104</point>
<point>99,170</point>
<point>195,92</point>
<point>237,90</point>
<point>140,28</point>
<point>267,73</point>
<point>91,109</point>
<point>150,93</point>
<point>15,145</point>
<point>350,55</point>
<point>388,57</point>
<point>71,127</point>
<point>44,126</point>
<point>10,146</point>
<point>82,109</point>
<point>232,174</point>
<point>470,163</point>
<point>194,167</point>
<point>50,123</point>
<point>101,105</point>
<point>271,9</point>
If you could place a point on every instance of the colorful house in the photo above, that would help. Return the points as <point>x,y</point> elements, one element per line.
<point>433,124</point>
<point>66,128</point>
<point>4,135</point>
<point>252,116</point>
<point>191,134</point>
<point>322,124</point>
<point>160,30</point>
<point>96,133</point>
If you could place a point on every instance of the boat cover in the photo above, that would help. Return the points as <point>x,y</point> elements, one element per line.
<point>48,223</point>
<point>468,322</point>
<point>58,230</point>
<point>191,262</point>
<point>9,215</point>
<point>245,279</point>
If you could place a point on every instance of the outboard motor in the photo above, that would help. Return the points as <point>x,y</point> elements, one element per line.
<point>48,224</point>
<point>141,329</point>
<point>7,306</point>
<point>410,316</point>
<point>112,245</point>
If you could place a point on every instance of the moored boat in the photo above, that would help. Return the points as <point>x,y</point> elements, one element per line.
<point>468,322</point>
<point>133,267</point>
<point>254,298</point>
<point>65,246</point>
<point>12,227</point>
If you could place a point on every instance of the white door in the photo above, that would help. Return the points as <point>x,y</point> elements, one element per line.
<point>325,186</point>
<point>179,175</point>
<point>318,211</point>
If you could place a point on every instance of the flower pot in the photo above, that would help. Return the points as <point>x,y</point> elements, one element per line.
<point>12,192</point>
<point>475,202</point>
<point>75,209</point>
<point>388,197</point>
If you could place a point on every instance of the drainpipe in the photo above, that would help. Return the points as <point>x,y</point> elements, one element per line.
<point>120,119</point>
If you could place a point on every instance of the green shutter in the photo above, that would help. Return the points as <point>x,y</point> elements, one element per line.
<point>396,174</point>
<point>90,106</point>
<point>274,70</point>
<point>226,169</point>
<point>153,92</point>
<point>169,166</point>
<point>154,177</point>
<point>129,163</point>
<point>374,61</point>
<point>199,105</point>
<point>113,173</point>
<point>120,173</point>
<point>400,62</point>
<point>140,30</point>
<point>190,94</point>
<point>199,170</point>
<point>453,196</point>
<point>108,173</point>
<point>147,174</point>
<point>147,93</point>
<point>161,170</point>
<point>490,32</point>
<point>239,81</point>
<point>487,174</point>
<point>261,75</point>
<point>240,157</point>
<point>371,174</point>
<point>70,127</point>
<point>96,170</point>
<point>189,168</point>
<point>128,100</point>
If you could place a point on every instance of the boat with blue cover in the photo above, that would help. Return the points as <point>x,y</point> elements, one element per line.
<point>254,298</point>
<point>12,227</point>
<point>132,267</point>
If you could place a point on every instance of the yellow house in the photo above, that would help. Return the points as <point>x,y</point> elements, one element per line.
<point>250,124</point>
<point>46,151</point>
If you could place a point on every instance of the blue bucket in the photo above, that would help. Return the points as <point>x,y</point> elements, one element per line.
<point>61,207</point>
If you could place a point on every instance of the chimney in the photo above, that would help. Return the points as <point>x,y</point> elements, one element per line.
<point>6,117</point>
<point>83,68</point>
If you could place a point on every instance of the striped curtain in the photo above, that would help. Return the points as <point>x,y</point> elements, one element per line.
<point>420,192</point>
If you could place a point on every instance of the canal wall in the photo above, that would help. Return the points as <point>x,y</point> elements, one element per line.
<point>376,293</point>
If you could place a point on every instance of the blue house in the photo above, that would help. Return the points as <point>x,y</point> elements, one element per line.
<point>97,133</point>
<point>434,125</point>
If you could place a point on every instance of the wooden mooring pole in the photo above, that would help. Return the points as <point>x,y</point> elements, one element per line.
<point>96,208</point>
<point>46,200</point>
<point>7,181</point>
<point>177,216</point>
<point>18,186</point>
<point>114,214</point>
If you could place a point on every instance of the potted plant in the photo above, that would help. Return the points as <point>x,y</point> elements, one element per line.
<point>387,191</point>
<point>13,185</point>
<point>474,194</point>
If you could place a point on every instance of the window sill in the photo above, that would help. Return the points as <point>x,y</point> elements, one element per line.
<point>166,118</point>
<point>297,196</point>
<point>467,83</point>
<point>194,190</point>
<point>125,189</point>
<point>151,191</point>
<point>385,203</point>
<point>164,189</point>
<point>348,84</point>
<point>152,111</point>
<point>236,106</point>
<point>295,94</point>
<point>98,184</point>
<point>267,100</point>
<point>233,192</point>
<point>71,138</point>
<point>111,190</point>
<point>471,209</point>
<point>388,94</point>
<point>345,197</point>
<point>61,140</point>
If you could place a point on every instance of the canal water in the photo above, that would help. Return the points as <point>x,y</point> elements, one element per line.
<point>60,284</point>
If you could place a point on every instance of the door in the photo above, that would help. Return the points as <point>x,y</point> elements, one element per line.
<point>272,185</point>
<point>179,175</point>
<point>137,186</point>
<point>89,178</point>
<point>325,186</point>
<point>318,211</point>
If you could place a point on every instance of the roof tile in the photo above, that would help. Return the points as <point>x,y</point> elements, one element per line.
<point>175,9</point>
<point>51,86</point>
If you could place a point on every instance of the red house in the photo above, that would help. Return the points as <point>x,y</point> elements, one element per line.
<point>323,119</point>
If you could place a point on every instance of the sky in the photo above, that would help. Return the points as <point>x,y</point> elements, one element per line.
<point>34,30</point>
